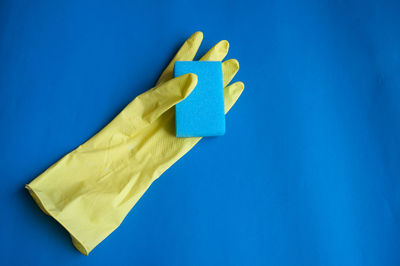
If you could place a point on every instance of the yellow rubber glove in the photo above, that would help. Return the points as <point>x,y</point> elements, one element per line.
<point>92,189</point>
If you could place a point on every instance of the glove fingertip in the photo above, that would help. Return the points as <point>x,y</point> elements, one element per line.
<point>190,83</point>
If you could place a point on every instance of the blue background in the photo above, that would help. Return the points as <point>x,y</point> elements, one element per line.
<point>307,173</point>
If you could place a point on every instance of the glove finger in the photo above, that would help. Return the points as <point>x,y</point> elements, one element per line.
<point>149,106</point>
<point>217,53</point>
<point>186,53</point>
<point>229,69</point>
<point>231,94</point>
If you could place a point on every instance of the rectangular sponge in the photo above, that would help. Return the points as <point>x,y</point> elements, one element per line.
<point>202,113</point>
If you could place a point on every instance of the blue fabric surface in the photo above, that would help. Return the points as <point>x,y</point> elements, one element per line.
<point>201,114</point>
<point>307,173</point>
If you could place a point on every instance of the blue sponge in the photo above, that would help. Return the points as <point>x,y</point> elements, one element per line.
<point>201,114</point>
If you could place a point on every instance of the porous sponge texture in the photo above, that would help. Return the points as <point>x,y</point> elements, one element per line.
<point>201,114</point>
